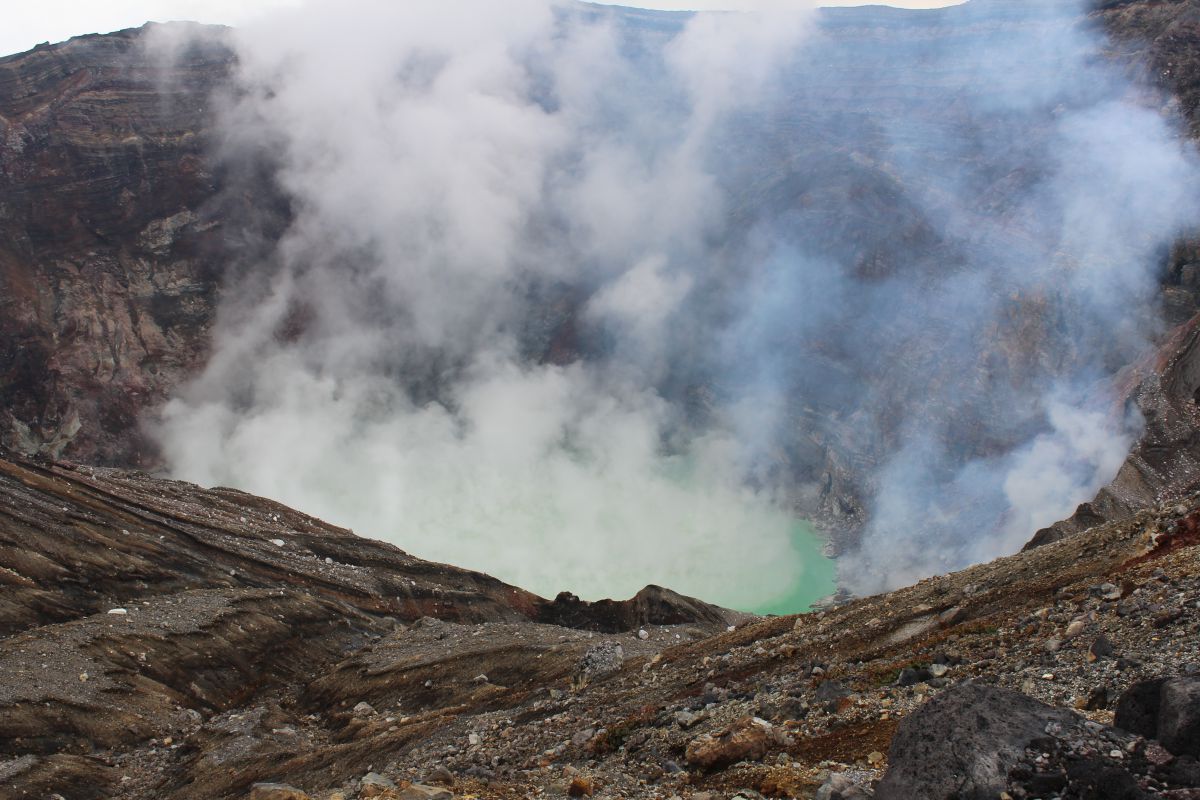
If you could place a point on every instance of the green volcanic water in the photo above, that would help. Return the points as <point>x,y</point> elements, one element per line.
<point>818,578</point>
<point>600,518</point>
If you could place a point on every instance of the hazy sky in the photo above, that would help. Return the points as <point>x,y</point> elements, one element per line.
<point>27,24</point>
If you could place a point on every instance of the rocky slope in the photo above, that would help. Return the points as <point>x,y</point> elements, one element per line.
<point>131,605</point>
<point>161,640</point>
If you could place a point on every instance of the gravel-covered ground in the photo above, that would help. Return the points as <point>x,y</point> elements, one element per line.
<point>238,661</point>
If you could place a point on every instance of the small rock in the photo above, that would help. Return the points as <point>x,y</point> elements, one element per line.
<point>598,662</point>
<point>278,542</point>
<point>1096,699</point>
<point>874,758</point>
<point>830,690</point>
<point>839,786</point>
<point>473,739</point>
<point>276,791</point>
<point>440,775</point>
<point>419,791</point>
<point>1157,755</point>
<point>938,670</point>
<point>910,676</point>
<point>364,709</point>
<point>480,773</point>
<point>643,634</point>
<point>745,740</point>
<point>118,611</point>
<point>581,786</point>
<point>1164,618</point>
<point>1101,648</point>
<point>374,785</point>
<point>951,616</point>
<point>583,737</point>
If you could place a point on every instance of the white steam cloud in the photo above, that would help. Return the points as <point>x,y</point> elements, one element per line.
<point>590,299</point>
<point>445,162</point>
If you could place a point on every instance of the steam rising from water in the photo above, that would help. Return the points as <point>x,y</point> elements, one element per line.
<point>569,295</point>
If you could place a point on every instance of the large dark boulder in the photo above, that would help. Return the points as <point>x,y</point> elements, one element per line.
<point>1097,779</point>
<point>1137,708</point>
<point>1179,716</point>
<point>1167,709</point>
<point>963,742</point>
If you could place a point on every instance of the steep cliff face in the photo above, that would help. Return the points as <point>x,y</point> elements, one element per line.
<point>1164,464</point>
<point>1159,42</point>
<point>111,255</point>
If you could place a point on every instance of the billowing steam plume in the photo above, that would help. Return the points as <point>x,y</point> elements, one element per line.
<point>590,299</point>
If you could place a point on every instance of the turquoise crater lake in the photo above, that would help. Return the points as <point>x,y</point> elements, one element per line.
<point>818,578</point>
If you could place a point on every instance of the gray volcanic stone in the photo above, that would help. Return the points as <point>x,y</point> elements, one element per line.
<point>1179,716</point>
<point>1137,708</point>
<point>598,662</point>
<point>963,742</point>
<point>1167,709</point>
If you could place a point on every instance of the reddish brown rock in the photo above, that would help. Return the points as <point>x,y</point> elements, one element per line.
<point>107,275</point>
<point>276,791</point>
<point>581,786</point>
<point>747,739</point>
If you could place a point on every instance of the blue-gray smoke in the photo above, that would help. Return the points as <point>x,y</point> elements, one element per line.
<point>594,298</point>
